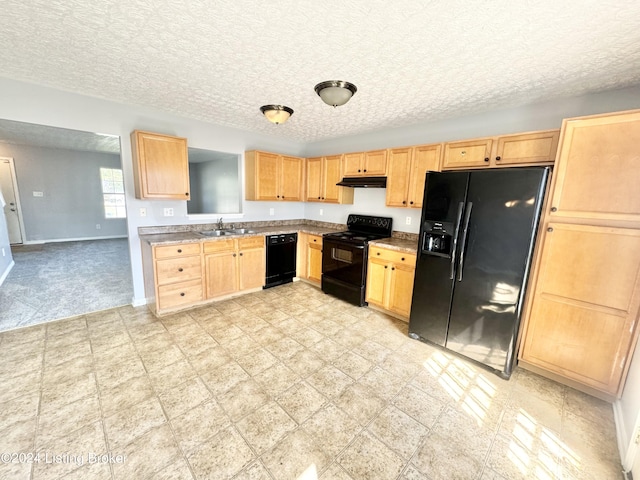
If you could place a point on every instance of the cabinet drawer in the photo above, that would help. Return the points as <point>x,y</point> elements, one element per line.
<point>250,242</point>
<point>177,294</point>
<point>220,246</point>
<point>181,250</point>
<point>174,270</point>
<point>393,256</point>
<point>315,240</point>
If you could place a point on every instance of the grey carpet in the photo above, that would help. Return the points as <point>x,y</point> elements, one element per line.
<point>65,279</point>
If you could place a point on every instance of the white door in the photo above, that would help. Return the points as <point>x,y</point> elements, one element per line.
<point>8,187</point>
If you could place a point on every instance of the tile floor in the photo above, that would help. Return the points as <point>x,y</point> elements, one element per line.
<point>287,383</point>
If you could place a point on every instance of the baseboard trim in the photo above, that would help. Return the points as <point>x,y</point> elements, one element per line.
<point>6,272</point>
<point>138,302</point>
<point>78,239</point>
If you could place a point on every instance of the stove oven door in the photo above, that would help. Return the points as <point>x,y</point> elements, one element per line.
<point>344,270</point>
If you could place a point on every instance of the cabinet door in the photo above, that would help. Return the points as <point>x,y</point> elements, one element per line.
<point>377,288</point>
<point>267,169</point>
<point>597,170</point>
<point>399,170</point>
<point>425,158</point>
<point>179,294</point>
<point>332,174</point>
<point>221,274</point>
<point>375,163</point>
<point>353,164</point>
<point>467,154</point>
<point>252,268</point>
<point>314,179</point>
<point>585,304</point>
<point>292,188</point>
<point>401,289</point>
<point>173,270</point>
<point>314,259</point>
<point>538,147</point>
<point>161,166</point>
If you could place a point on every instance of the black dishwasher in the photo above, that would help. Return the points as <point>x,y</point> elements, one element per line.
<point>281,259</point>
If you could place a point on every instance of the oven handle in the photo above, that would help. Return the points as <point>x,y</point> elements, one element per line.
<point>326,242</point>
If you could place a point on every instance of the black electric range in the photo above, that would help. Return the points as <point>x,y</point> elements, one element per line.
<point>345,254</point>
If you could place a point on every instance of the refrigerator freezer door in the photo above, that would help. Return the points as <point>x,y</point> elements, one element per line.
<point>487,302</point>
<point>434,277</point>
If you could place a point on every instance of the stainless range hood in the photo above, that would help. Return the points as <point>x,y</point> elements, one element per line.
<point>363,182</point>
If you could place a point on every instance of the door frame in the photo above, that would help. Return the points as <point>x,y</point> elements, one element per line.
<point>16,191</point>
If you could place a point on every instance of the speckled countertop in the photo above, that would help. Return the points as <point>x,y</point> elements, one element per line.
<point>404,242</point>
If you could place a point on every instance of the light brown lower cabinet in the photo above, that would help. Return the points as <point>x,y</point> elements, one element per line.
<point>234,265</point>
<point>390,276</point>
<point>310,257</point>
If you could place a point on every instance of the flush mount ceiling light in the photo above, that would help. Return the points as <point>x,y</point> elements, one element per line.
<point>276,113</point>
<point>335,92</point>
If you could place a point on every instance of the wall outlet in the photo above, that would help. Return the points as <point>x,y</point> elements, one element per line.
<point>321,212</point>
<point>143,212</point>
<point>98,226</point>
<point>408,221</point>
<point>272,211</point>
<point>38,194</point>
<point>168,212</point>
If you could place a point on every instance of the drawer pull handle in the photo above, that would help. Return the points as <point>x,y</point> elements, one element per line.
<point>378,253</point>
<point>554,209</point>
<point>550,229</point>
<point>181,269</point>
<point>486,159</point>
<point>402,259</point>
<point>497,159</point>
<point>179,250</point>
<point>182,294</point>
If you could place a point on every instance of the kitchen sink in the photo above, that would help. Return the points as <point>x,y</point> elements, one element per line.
<point>221,233</point>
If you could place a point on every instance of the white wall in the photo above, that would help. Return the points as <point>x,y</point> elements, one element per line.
<point>72,203</point>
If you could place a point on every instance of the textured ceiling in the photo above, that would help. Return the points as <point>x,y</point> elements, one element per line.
<point>412,61</point>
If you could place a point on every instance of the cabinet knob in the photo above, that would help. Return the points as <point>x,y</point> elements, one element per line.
<point>404,202</point>
<point>365,169</point>
<point>463,153</point>
<point>179,250</point>
<point>402,259</point>
<point>486,159</point>
<point>318,198</point>
<point>411,203</point>
<point>554,209</point>
<point>314,240</point>
<point>322,198</point>
<point>550,229</point>
<point>240,253</point>
<point>181,269</point>
<point>234,254</point>
<point>497,159</point>
<point>385,266</point>
<point>393,268</point>
<point>187,194</point>
<point>359,170</point>
<point>379,254</point>
<point>182,294</point>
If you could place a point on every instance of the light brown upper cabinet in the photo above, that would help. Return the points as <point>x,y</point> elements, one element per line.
<point>160,166</point>
<point>365,164</point>
<point>322,175</point>
<point>273,177</point>
<point>533,148</point>
<point>406,171</point>
<point>580,325</point>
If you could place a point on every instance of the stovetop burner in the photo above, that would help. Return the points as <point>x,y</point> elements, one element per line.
<point>363,229</point>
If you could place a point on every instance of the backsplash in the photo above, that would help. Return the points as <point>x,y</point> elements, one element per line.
<point>212,226</point>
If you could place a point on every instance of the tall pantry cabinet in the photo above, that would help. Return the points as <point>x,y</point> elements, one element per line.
<point>581,323</point>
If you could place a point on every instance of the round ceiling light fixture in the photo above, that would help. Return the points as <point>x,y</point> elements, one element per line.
<point>276,113</point>
<point>335,92</point>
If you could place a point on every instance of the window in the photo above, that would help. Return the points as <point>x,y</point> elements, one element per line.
<point>113,193</point>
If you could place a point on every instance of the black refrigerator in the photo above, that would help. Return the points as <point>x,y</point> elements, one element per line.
<point>477,235</point>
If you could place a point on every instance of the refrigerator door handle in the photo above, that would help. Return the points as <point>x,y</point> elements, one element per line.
<point>456,232</point>
<point>465,231</point>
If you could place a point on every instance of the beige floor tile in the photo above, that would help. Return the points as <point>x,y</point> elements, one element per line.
<point>268,335</point>
<point>56,356</point>
<point>307,336</point>
<point>148,454</point>
<point>255,471</point>
<point>62,420</point>
<point>331,429</point>
<point>368,458</point>
<point>19,409</point>
<point>263,428</point>
<point>56,396</point>
<point>209,359</point>
<point>335,472</point>
<point>359,403</point>
<point>91,471</point>
<point>305,362</point>
<point>308,459</point>
<point>257,361</point>
<point>110,357</point>
<point>330,381</point>
<point>178,470</point>
<point>158,359</point>
<point>111,376</point>
<point>171,375</point>
<point>140,333</point>
<point>412,473</point>
<point>223,378</point>
<point>353,364</point>
<point>126,425</point>
<point>301,401</point>
<point>184,397</point>
<point>284,348</point>
<point>66,327</point>
<point>109,339</point>
<point>221,458</point>
<point>199,424</point>
<point>419,405</point>
<point>68,338</point>
<point>17,365</point>
<point>15,469</point>
<point>125,395</point>
<point>515,457</point>
<point>243,399</point>
<point>381,383</point>
<point>277,379</point>
<point>193,345</point>
<point>149,346</point>
<point>398,431</point>
<point>328,349</point>
<point>18,437</point>
<point>18,386</point>
<point>67,371</point>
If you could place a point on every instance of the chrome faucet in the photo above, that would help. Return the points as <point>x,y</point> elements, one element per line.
<point>220,224</point>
